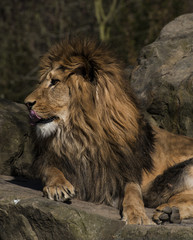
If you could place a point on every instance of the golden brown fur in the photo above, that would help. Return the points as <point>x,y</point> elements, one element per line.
<point>91,136</point>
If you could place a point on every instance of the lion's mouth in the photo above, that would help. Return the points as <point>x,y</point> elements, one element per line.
<point>35,119</point>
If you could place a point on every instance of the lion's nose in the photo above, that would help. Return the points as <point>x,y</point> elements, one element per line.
<point>30,104</point>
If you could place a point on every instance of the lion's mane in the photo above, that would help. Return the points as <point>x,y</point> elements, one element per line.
<point>105,142</point>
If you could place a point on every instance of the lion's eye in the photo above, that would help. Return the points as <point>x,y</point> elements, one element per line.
<point>54,82</point>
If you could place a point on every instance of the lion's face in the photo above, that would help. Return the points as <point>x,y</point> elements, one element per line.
<point>48,104</point>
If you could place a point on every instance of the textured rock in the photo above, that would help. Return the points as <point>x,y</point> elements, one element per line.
<point>25,214</point>
<point>15,145</point>
<point>163,80</point>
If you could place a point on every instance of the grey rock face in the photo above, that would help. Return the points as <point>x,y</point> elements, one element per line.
<point>163,80</point>
<point>15,145</point>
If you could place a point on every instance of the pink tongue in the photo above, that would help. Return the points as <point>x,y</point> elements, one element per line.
<point>34,117</point>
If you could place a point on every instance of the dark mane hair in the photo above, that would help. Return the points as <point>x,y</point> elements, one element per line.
<point>105,142</point>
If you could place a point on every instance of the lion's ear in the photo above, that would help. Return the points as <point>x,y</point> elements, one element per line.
<point>87,71</point>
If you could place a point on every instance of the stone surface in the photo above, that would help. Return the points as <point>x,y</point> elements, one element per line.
<point>15,145</point>
<point>25,214</point>
<point>163,80</point>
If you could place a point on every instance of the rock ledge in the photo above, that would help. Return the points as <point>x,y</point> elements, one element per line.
<point>25,214</point>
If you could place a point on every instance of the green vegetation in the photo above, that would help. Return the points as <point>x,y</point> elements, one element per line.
<point>28,28</point>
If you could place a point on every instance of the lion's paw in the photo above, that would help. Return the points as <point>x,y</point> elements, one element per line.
<point>167,214</point>
<point>59,192</point>
<point>136,218</point>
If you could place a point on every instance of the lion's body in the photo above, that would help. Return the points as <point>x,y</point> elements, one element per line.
<point>91,135</point>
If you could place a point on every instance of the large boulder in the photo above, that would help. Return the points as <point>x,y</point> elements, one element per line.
<point>15,144</point>
<point>163,80</point>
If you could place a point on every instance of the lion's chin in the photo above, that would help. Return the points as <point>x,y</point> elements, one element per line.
<point>44,130</point>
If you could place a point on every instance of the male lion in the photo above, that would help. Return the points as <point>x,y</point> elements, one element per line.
<point>91,137</point>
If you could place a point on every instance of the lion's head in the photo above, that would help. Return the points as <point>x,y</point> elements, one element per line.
<point>81,108</point>
<point>79,79</point>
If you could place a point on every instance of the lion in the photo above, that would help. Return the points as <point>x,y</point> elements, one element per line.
<point>93,143</point>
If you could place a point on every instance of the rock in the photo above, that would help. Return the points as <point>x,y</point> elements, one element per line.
<point>25,214</point>
<point>163,80</point>
<point>15,145</point>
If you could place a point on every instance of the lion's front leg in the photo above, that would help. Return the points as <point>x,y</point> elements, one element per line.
<point>56,186</point>
<point>133,206</point>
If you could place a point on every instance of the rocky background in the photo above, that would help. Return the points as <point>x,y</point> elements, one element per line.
<point>163,79</point>
<point>163,82</point>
